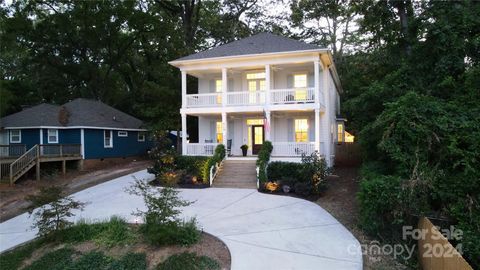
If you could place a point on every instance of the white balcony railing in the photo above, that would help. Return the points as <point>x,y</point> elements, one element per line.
<point>204,100</point>
<point>292,149</point>
<point>200,149</point>
<point>246,98</point>
<point>292,96</point>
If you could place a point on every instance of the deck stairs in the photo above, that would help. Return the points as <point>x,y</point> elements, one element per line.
<point>237,174</point>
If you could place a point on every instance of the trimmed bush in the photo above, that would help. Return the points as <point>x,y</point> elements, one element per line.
<point>217,157</point>
<point>278,170</point>
<point>192,165</point>
<point>189,261</point>
<point>171,233</point>
<point>262,162</point>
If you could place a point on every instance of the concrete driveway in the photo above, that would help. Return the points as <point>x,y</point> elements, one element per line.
<point>261,231</point>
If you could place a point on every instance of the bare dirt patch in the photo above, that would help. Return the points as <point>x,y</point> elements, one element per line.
<point>339,199</point>
<point>13,198</point>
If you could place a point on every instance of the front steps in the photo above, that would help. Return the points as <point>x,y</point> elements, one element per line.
<point>237,174</point>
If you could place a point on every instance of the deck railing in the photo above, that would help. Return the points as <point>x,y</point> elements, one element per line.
<point>292,149</point>
<point>292,96</point>
<point>12,150</point>
<point>23,162</point>
<point>60,150</point>
<point>200,149</point>
<point>204,100</point>
<point>246,98</point>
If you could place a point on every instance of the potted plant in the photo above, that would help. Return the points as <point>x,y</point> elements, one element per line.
<point>244,149</point>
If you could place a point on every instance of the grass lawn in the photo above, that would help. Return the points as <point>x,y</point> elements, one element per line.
<point>113,245</point>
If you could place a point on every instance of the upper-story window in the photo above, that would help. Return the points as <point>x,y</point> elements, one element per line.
<point>52,136</point>
<point>256,82</point>
<point>15,136</point>
<point>300,85</point>
<point>301,130</point>
<point>123,134</point>
<point>218,89</point>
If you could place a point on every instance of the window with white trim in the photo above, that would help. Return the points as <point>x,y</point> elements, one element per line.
<point>301,130</point>
<point>123,134</point>
<point>107,139</point>
<point>141,136</point>
<point>15,136</point>
<point>300,84</point>
<point>52,136</point>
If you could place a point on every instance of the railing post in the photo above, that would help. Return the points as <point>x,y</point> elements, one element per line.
<point>61,150</point>
<point>38,162</point>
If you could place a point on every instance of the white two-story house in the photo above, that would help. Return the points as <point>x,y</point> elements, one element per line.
<point>264,87</point>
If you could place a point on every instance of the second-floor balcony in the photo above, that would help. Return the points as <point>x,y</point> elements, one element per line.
<point>246,98</point>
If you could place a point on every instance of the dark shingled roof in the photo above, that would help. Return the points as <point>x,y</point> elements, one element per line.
<point>82,112</point>
<point>259,43</point>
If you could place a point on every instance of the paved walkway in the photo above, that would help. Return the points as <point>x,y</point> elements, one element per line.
<point>261,231</point>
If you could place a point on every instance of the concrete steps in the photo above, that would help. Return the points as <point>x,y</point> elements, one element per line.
<point>237,174</point>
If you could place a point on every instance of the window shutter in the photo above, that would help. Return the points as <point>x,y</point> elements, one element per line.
<point>311,129</point>
<point>290,81</point>
<point>290,131</point>
<point>231,130</point>
<point>213,130</point>
<point>311,80</point>
<point>212,86</point>
<point>230,86</point>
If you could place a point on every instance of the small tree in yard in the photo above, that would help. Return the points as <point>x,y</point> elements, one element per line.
<point>314,170</point>
<point>54,210</point>
<point>162,223</point>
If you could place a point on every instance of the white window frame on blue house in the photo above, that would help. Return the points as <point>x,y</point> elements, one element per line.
<point>51,136</point>
<point>141,136</point>
<point>123,133</point>
<point>110,141</point>
<point>19,135</point>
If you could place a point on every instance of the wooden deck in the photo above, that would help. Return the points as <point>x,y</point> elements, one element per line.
<point>15,160</point>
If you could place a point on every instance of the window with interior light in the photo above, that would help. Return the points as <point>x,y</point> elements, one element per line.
<point>340,133</point>
<point>301,130</point>
<point>255,82</point>
<point>300,85</point>
<point>219,132</point>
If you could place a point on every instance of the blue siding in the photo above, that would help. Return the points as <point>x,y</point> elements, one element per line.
<point>67,136</point>
<point>122,146</point>
<point>30,137</point>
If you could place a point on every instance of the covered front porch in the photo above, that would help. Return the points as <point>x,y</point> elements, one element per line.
<point>292,133</point>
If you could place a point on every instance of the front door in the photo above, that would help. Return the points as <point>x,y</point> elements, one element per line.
<point>257,138</point>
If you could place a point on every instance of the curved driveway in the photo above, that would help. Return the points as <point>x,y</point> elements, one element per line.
<point>261,231</point>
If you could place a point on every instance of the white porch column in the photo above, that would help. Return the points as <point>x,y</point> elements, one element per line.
<point>267,84</point>
<point>184,89</point>
<point>268,131</point>
<point>317,130</point>
<point>224,86</point>
<point>184,134</point>
<point>316,67</point>
<point>327,123</point>
<point>224,129</point>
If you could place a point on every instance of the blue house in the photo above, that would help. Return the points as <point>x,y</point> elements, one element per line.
<point>78,130</point>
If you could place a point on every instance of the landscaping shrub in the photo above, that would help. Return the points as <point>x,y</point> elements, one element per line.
<point>302,189</point>
<point>192,165</point>
<point>314,170</point>
<point>217,157</point>
<point>131,261</point>
<point>114,232</point>
<point>11,260</point>
<point>55,260</point>
<point>53,209</point>
<point>189,261</point>
<point>262,162</point>
<point>278,170</point>
<point>183,233</point>
<point>92,260</point>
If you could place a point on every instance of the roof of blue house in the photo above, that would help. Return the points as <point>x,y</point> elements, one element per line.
<point>77,113</point>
